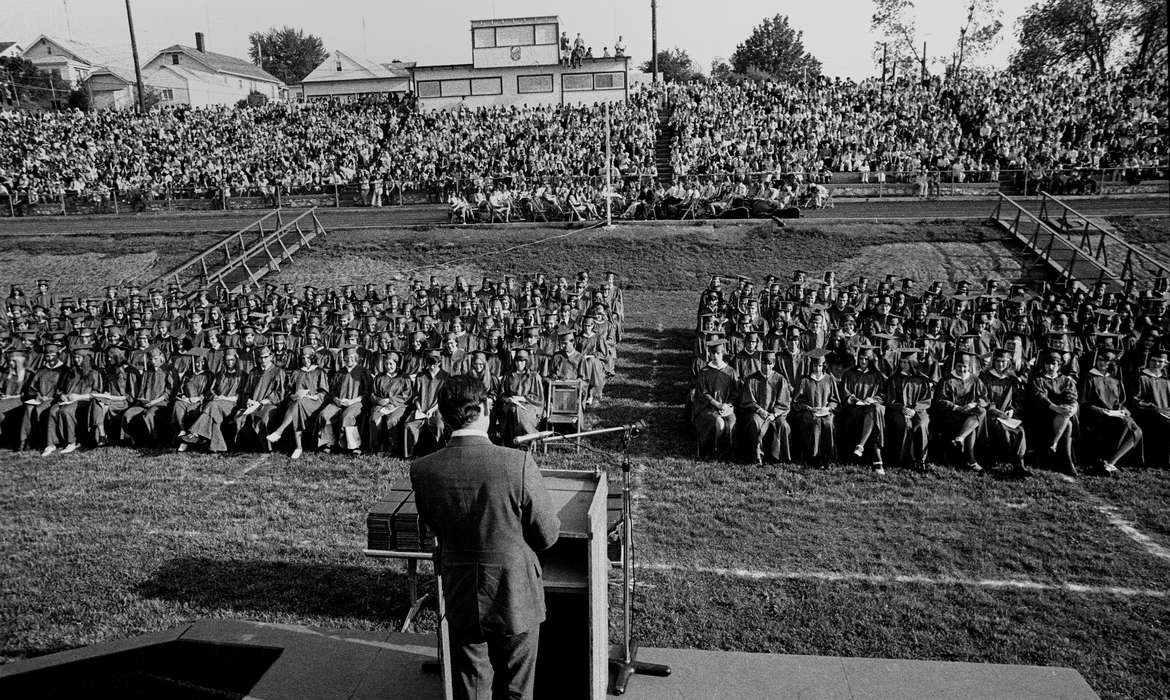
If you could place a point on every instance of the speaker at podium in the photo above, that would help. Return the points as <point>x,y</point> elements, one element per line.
<point>573,661</point>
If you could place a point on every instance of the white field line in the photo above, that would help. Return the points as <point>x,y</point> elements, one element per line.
<point>1128,528</point>
<point>833,576</point>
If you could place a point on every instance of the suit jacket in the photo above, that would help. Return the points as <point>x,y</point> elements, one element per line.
<point>491,514</point>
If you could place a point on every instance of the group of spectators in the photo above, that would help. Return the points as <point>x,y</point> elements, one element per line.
<point>343,369</point>
<point>967,130</point>
<point>1047,130</point>
<point>574,52</point>
<point>379,147</point>
<point>824,371</point>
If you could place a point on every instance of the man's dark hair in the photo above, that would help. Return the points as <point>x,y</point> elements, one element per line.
<point>461,400</point>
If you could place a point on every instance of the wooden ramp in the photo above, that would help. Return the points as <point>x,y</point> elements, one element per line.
<point>1055,250</point>
<point>239,261</point>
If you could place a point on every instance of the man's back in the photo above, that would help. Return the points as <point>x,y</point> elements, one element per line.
<point>491,514</point>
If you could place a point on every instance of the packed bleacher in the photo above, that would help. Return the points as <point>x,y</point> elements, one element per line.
<point>910,373</point>
<point>739,149</point>
<point>379,146</point>
<point>349,369</point>
<point>970,130</point>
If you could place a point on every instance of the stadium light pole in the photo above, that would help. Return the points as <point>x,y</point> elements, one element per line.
<point>137,67</point>
<point>653,41</point>
<point>608,174</point>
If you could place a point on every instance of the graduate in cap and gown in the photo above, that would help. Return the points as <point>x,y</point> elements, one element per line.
<point>909,394</point>
<point>814,407</point>
<point>765,399</point>
<point>713,404</point>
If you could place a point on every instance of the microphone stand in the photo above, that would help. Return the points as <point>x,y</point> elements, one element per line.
<point>625,664</point>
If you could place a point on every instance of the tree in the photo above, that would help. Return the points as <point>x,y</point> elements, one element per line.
<point>287,53</point>
<point>776,49</point>
<point>896,28</point>
<point>1142,29</point>
<point>981,31</point>
<point>34,88</point>
<point>721,69</point>
<point>1062,33</point>
<point>675,65</point>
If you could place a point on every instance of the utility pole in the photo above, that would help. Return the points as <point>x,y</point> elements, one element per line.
<point>654,40</point>
<point>962,45</point>
<point>923,60</point>
<point>137,67</point>
<point>885,48</point>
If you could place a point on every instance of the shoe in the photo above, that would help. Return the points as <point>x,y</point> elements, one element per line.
<point>71,447</point>
<point>296,454</point>
<point>859,450</point>
<point>879,469</point>
<point>974,466</point>
<point>183,447</point>
<point>50,449</point>
<point>327,450</point>
<point>272,437</point>
<point>1109,469</point>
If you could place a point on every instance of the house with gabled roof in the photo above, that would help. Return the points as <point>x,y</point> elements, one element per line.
<point>342,76</point>
<point>73,61</point>
<point>10,49</point>
<point>198,77</point>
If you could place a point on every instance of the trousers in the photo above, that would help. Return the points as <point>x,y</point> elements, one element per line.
<point>492,665</point>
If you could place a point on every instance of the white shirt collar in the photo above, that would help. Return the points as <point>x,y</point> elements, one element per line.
<point>469,432</point>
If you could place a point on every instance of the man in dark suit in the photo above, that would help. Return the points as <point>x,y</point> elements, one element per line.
<point>490,513</point>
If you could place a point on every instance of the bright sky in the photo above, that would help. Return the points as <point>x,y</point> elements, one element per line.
<point>436,31</point>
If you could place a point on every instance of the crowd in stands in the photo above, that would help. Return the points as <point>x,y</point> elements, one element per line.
<point>823,371</point>
<point>349,369</point>
<point>309,147</point>
<point>967,130</point>
<point>1049,131</point>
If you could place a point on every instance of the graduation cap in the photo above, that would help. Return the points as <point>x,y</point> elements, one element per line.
<point>816,353</point>
<point>716,343</point>
<point>521,351</point>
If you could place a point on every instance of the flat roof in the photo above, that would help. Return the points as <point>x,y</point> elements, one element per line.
<point>511,21</point>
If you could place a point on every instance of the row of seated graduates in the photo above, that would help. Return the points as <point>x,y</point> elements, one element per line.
<point>1073,322</point>
<point>369,403</point>
<point>588,337</point>
<point>495,312</point>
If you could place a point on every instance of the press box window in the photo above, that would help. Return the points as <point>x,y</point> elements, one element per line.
<point>527,84</point>
<point>429,88</point>
<point>515,36</point>
<point>487,86</point>
<point>456,88</point>
<point>609,81</point>
<point>576,81</point>
<point>484,38</point>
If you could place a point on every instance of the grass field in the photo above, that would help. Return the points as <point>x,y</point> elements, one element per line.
<point>951,566</point>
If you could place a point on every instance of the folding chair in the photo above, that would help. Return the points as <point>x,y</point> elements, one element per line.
<point>564,408</point>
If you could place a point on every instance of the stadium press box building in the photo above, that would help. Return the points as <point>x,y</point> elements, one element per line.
<point>517,61</point>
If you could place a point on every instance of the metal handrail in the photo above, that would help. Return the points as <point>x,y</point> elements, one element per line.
<point>1045,251</point>
<point>200,259</point>
<point>1089,227</point>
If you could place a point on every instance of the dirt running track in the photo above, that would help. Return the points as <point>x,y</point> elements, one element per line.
<point>430,215</point>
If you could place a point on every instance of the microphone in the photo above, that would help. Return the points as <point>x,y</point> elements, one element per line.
<point>532,437</point>
<point>638,427</point>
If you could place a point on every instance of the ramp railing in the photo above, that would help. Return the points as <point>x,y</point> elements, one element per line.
<point>1055,250</point>
<point>1107,248</point>
<point>241,259</point>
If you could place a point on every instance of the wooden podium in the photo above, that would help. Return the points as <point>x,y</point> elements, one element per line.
<point>573,660</point>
